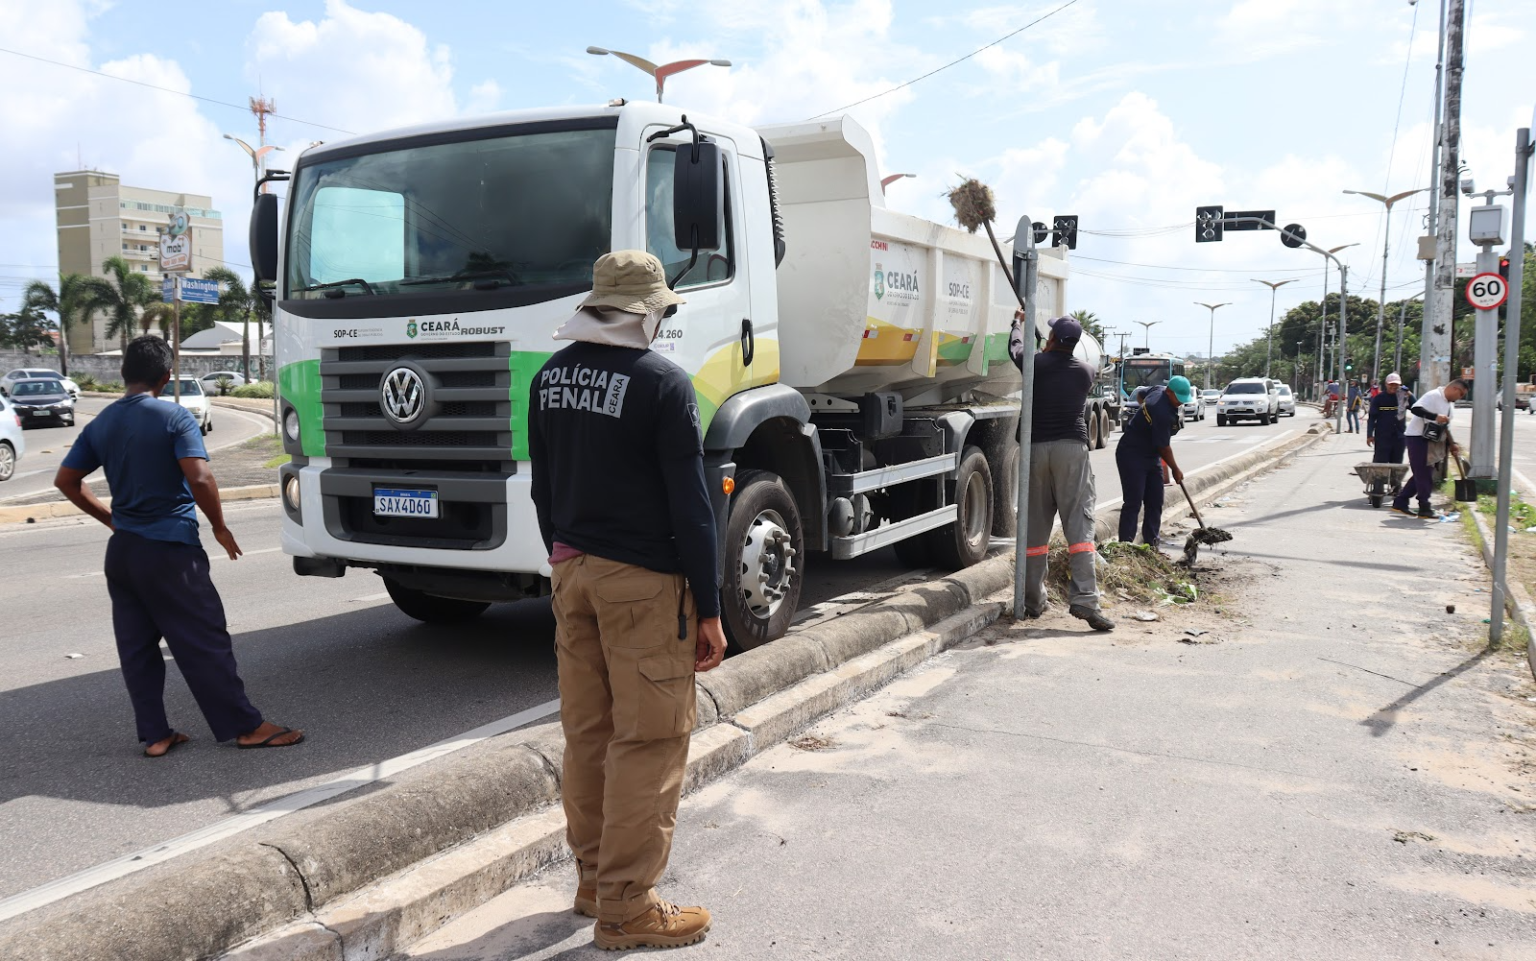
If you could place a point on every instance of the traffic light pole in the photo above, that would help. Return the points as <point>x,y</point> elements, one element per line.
<point>1512,309</point>
<point>1026,266</point>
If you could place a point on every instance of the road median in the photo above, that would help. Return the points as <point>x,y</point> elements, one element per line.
<point>379,871</point>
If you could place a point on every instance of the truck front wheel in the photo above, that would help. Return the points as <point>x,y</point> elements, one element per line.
<point>432,609</point>
<point>764,560</point>
<point>965,542</point>
<point>1106,427</point>
<point>1095,438</point>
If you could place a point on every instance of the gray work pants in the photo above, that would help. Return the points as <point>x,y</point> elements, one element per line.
<point>1060,481</point>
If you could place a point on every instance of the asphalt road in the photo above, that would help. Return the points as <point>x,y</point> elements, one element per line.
<point>46,446</point>
<point>332,656</point>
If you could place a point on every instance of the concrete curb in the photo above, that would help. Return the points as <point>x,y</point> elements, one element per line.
<point>29,513</point>
<point>385,870</point>
<point>1517,600</point>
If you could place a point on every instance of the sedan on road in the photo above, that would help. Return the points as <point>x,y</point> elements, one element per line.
<point>9,381</point>
<point>41,402</point>
<point>1287,404</point>
<point>211,381</point>
<point>1195,409</point>
<point>194,399</point>
<point>12,446</point>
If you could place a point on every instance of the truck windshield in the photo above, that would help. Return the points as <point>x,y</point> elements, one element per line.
<point>528,210</point>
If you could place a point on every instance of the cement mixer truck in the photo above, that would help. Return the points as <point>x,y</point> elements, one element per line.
<point>850,362</point>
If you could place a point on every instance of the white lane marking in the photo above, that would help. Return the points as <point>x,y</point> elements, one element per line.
<point>263,813</point>
<point>225,557</point>
<point>70,577</point>
<point>381,595</point>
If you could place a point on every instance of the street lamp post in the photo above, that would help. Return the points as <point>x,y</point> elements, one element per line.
<point>887,181</point>
<point>1148,324</point>
<point>258,157</point>
<point>659,73</point>
<point>1210,349</point>
<point>1386,241</point>
<point>1269,344</point>
<point>1322,327</point>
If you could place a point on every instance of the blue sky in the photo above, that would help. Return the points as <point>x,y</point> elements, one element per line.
<point>1124,112</point>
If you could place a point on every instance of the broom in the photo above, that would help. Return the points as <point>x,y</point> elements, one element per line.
<point>974,207</point>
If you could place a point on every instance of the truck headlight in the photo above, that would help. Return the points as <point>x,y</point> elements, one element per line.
<point>291,424</point>
<point>291,492</point>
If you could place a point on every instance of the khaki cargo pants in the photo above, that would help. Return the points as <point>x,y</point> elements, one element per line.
<point>1060,482</point>
<point>627,706</point>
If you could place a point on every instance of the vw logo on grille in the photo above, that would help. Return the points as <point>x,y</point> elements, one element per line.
<point>403,396</point>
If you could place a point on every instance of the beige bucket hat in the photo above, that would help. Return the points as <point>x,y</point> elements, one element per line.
<point>631,280</point>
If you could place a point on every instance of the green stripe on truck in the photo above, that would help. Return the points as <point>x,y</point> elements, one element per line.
<point>299,386</point>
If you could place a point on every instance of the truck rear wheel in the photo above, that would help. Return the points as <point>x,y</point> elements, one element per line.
<point>1106,427</point>
<point>763,563</point>
<point>965,542</point>
<point>1095,430</point>
<point>431,609</point>
<point>1004,466</point>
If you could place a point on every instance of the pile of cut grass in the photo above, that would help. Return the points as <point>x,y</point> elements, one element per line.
<point>1127,572</point>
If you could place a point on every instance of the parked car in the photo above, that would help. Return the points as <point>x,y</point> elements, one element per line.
<point>194,399</point>
<point>1195,409</point>
<point>211,381</point>
<point>12,446</point>
<point>37,373</point>
<point>1247,398</point>
<point>40,402</point>
<point>1287,405</point>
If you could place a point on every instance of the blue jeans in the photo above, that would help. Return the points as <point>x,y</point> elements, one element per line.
<point>1353,418</point>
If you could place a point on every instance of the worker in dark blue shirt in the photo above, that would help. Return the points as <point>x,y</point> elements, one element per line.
<point>1387,420</point>
<point>157,572</point>
<point>1144,446</point>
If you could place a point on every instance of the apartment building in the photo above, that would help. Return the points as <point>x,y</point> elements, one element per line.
<point>99,217</point>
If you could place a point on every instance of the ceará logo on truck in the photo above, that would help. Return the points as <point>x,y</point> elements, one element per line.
<point>449,328</point>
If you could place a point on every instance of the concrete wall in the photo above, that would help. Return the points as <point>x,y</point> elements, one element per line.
<point>106,368</point>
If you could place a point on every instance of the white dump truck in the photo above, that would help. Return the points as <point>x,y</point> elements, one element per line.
<point>850,361</point>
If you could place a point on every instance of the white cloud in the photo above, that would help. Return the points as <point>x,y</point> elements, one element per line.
<point>1263,28</point>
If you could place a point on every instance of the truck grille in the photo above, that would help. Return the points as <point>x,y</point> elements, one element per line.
<point>471,430</point>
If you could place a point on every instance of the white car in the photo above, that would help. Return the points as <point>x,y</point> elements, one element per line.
<point>1195,409</point>
<point>12,446</point>
<point>1248,398</point>
<point>211,381</point>
<point>8,382</point>
<point>1212,397</point>
<point>194,399</point>
<point>1287,403</point>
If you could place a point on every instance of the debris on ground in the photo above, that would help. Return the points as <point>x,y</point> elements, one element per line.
<point>1199,637</point>
<point>1403,837</point>
<point>1202,535</point>
<point>1144,616</point>
<point>1131,572</point>
<point>811,742</point>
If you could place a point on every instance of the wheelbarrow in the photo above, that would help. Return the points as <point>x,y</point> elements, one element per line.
<point>1381,480</point>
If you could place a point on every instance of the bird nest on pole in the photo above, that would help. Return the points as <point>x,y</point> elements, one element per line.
<point>974,205</point>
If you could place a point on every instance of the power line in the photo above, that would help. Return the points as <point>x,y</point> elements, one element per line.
<point>1234,270</point>
<point>952,63</point>
<point>179,93</point>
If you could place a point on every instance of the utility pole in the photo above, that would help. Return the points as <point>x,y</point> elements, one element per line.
<point>1512,308</point>
<point>1269,345</point>
<point>1435,362</point>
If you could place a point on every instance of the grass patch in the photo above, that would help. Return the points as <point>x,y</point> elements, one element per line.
<point>268,444</point>
<point>260,390</point>
<point>1132,572</point>
<point>1520,565</point>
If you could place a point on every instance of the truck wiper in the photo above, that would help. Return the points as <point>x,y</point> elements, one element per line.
<point>336,285</point>
<point>480,277</point>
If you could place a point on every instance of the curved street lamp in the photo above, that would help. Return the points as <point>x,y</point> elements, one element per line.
<point>1322,331</point>
<point>659,73</point>
<point>1148,324</point>
<point>257,154</point>
<point>1210,350</point>
<point>887,181</point>
<point>1386,240</point>
<point>1269,344</point>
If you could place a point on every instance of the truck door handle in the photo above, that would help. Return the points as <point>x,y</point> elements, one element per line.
<point>748,342</point>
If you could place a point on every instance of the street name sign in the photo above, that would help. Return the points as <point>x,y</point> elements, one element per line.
<point>1244,220</point>
<point>1487,291</point>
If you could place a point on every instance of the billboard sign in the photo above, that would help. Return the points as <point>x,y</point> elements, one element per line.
<point>176,244</point>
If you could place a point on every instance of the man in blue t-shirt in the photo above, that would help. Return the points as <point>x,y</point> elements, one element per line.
<point>1144,445</point>
<point>157,572</point>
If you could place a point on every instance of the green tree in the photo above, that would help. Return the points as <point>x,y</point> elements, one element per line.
<point>121,295</point>
<point>236,302</point>
<point>27,328</point>
<point>68,302</point>
<point>1090,322</point>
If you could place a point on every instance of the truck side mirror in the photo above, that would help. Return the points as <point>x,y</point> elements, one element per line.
<point>264,240</point>
<point>698,197</point>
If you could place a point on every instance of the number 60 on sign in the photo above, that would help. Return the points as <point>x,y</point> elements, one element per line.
<point>1487,291</point>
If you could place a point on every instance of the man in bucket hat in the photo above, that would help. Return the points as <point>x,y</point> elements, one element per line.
<point>618,485</point>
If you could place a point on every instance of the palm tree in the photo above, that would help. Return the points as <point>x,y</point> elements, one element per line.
<point>235,301</point>
<point>1090,322</point>
<point>159,314</point>
<point>70,302</point>
<point>121,294</point>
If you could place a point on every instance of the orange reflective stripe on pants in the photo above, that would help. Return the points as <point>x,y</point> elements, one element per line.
<point>1036,551</point>
<point>627,707</point>
<point>1080,548</point>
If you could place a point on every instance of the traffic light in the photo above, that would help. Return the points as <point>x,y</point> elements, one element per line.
<point>1208,224</point>
<point>1349,363</point>
<point>1065,233</point>
<point>1504,269</point>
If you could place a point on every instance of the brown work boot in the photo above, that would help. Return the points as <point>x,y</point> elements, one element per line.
<point>663,926</point>
<point>586,890</point>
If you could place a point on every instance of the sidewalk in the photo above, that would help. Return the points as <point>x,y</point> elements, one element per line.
<point>1338,770</point>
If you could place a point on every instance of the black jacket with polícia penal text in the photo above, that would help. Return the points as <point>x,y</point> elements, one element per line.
<point>618,463</point>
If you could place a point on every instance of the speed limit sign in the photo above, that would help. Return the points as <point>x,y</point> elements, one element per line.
<point>1487,291</point>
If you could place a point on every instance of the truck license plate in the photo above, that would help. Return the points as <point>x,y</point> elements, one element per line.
<point>392,502</point>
